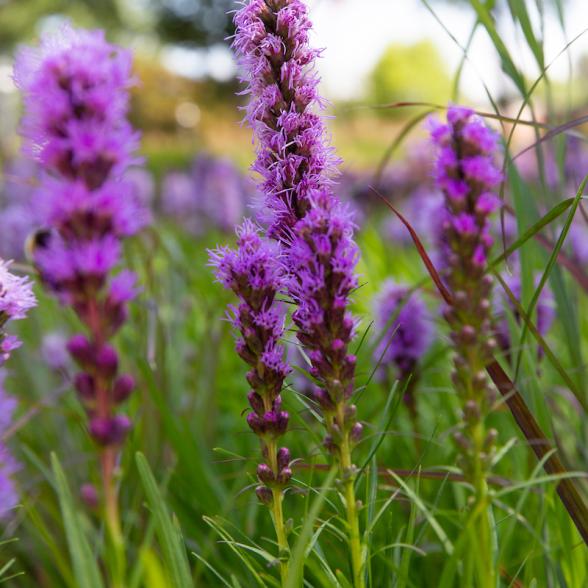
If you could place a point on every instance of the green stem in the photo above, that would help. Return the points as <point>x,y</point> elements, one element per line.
<point>348,476</point>
<point>278,517</point>
<point>283,546</point>
<point>111,513</point>
<point>481,526</point>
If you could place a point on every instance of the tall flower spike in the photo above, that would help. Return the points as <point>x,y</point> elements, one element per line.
<point>255,273</point>
<point>467,174</point>
<point>296,164</point>
<point>75,88</point>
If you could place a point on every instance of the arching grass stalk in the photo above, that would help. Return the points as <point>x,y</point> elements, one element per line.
<point>467,174</point>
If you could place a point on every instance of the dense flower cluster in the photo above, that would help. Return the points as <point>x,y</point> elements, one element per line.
<point>75,88</point>
<point>255,273</point>
<point>467,174</point>
<point>277,65</point>
<point>321,259</point>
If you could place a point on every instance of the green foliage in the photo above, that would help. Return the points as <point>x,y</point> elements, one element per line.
<point>410,73</point>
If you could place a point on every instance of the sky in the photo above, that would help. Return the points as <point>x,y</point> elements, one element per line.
<point>355,33</point>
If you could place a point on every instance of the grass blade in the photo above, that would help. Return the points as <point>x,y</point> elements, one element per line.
<point>84,564</point>
<point>168,533</point>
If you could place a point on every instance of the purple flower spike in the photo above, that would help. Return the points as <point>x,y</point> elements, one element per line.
<point>468,176</point>
<point>297,164</point>
<point>75,88</point>
<point>254,271</point>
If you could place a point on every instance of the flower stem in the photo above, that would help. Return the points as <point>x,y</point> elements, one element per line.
<point>111,515</point>
<point>348,476</point>
<point>481,526</point>
<point>278,517</point>
<point>283,546</point>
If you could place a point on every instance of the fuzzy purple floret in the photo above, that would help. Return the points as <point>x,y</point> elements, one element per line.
<point>405,325</point>
<point>277,64</point>
<point>75,87</point>
<point>16,299</point>
<point>467,174</point>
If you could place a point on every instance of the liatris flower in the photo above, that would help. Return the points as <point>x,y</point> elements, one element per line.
<point>295,161</point>
<point>254,272</point>
<point>16,299</point>
<point>277,64</point>
<point>545,310</point>
<point>75,89</point>
<point>314,229</point>
<point>8,465</point>
<point>467,174</point>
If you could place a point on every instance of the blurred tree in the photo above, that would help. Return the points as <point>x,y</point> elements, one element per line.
<point>193,22</point>
<point>19,18</point>
<point>410,73</point>
<point>197,23</point>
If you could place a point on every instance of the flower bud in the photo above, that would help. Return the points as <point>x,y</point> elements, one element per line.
<point>106,361</point>
<point>84,385</point>
<point>123,387</point>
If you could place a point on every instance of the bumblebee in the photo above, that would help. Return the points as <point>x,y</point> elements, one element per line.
<point>37,241</point>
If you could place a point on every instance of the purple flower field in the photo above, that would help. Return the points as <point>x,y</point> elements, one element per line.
<point>293,293</point>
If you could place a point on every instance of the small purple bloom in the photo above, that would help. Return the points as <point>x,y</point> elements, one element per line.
<point>405,326</point>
